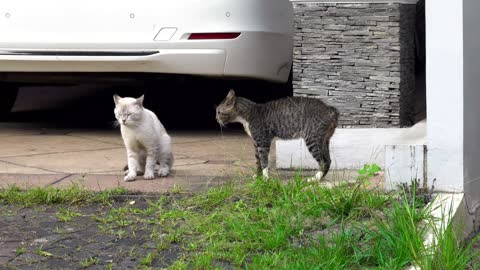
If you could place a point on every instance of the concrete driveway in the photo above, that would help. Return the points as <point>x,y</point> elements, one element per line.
<point>36,155</point>
<point>47,143</point>
<point>32,155</point>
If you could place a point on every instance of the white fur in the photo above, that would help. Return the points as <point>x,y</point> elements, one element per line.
<point>245,124</point>
<point>265,173</point>
<point>317,177</point>
<point>145,139</point>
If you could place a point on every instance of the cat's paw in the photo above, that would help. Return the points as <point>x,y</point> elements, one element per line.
<point>163,171</point>
<point>148,175</point>
<point>265,173</point>
<point>130,177</point>
<point>127,171</point>
<point>318,176</point>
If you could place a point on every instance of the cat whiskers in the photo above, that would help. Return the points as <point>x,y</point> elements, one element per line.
<point>221,124</point>
<point>221,129</point>
<point>115,123</point>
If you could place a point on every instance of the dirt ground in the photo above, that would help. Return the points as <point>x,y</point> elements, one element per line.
<point>48,243</point>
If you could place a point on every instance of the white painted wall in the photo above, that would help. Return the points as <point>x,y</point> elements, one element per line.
<point>404,163</point>
<point>350,148</point>
<point>444,72</point>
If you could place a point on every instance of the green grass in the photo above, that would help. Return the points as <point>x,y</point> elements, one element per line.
<point>66,215</point>
<point>397,241</point>
<point>271,224</point>
<point>148,259</point>
<point>448,251</point>
<point>73,195</point>
<point>299,225</point>
<point>20,250</point>
<point>39,251</point>
<point>89,262</point>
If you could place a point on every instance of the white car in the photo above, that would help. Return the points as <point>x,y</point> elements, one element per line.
<point>220,38</point>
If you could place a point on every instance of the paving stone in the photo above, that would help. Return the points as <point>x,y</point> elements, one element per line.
<point>10,240</point>
<point>25,179</point>
<point>43,144</point>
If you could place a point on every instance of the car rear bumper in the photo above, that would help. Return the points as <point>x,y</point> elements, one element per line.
<point>205,62</point>
<point>269,58</point>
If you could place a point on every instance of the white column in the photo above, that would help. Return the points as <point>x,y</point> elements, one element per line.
<point>444,47</point>
<point>471,98</point>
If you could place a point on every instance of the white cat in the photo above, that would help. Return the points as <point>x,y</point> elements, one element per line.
<point>145,139</point>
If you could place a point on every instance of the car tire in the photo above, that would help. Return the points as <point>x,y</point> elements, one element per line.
<point>8,95</point>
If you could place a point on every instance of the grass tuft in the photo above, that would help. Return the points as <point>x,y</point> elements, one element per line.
<point>398,240</point>
<point>73,195</point>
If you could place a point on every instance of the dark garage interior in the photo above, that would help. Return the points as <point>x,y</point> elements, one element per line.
<point>180,102</point>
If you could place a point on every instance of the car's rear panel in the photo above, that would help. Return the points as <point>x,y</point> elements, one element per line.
<point>147,36</point>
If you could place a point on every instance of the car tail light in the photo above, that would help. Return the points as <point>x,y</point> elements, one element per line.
<point>197,36</point>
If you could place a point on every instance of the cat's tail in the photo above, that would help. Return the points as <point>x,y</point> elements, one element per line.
<point>167,151</point>
<point>335,115</point>
<point>170,160</point>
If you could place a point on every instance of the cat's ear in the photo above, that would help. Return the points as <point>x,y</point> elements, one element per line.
<point>231,94</point>
<point>140,100</point>
<point>116,99</point>
<point>230,99</point>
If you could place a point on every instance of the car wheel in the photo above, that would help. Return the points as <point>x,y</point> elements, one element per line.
<point>8,95</point>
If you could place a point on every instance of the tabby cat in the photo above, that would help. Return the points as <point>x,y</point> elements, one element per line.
<point>287,118</point>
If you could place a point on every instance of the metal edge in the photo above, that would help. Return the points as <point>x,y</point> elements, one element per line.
<point>76,53</point>
<point>406,2</point>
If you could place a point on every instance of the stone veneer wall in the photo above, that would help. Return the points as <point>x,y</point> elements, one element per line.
<point>358,57</point>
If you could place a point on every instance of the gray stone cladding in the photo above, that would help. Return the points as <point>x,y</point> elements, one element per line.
<point>358,57</point>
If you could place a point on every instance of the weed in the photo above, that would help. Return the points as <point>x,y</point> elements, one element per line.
<point>180,264</point>
<point>417,192</point>
<point>203,261</point>
<point>20,250</point>
<point>43,253</point>
<point>341,202</point>
<point>162,245</point>
<point>72,195</point>
<point>106,196</point>
<point>174,236</point>
<point>89,262</point>
<point>212,198</point>
<point>120,234</point>
<point>447,250</point>
<point>66,215</point>
<point>367,172</point>
<point>176,189</point>
<point>148,259</point>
